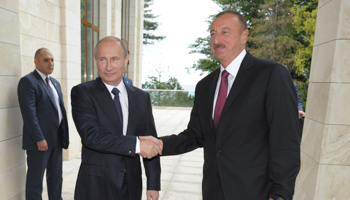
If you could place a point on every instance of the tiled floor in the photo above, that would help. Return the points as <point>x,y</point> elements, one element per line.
<point>181,175</point>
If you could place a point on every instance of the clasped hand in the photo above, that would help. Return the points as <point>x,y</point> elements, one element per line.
<point>150,146</point>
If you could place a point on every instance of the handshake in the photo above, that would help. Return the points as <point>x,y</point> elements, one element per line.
<point>150,146</point>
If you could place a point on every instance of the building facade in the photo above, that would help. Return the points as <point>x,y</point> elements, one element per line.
<point>70,29</point>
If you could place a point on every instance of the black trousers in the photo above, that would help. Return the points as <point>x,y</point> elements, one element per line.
<point>38,162</point>
<point>125,192</point>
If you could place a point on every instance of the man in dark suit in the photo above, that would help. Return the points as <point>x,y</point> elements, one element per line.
<point>127,80</point>
<point>45,128</point>
<point>109,115</point>
<point>300,111</point>
<point>245,117</point>
<point>300,104</point>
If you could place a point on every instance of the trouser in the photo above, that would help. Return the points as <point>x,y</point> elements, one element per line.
<point>37,162</point>
<point>124,192</point>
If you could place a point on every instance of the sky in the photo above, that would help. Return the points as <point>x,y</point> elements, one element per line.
<point>182,23</point>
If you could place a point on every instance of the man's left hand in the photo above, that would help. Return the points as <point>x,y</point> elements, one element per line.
<point>152,195</point>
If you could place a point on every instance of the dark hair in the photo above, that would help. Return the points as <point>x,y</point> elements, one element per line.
<point>112,38</point>
<point>241,18</point>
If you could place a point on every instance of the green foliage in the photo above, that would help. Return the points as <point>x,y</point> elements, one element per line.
<point>208,64</point>
<point>304,24</point>
<point>154,83</point>
<point>249,8</point>
<point>280,30</point>
<point>272,37</point>
<point>149,25</point>
<point>159,97</point>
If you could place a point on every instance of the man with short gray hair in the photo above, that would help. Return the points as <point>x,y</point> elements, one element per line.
<point>110,115</point>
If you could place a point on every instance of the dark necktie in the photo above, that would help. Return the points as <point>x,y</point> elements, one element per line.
<point>220,101</point>
<point>50,90</point>
<point>115,91</point>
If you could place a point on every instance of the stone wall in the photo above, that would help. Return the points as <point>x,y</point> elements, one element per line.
<point>12,164</point>
<point>325,157</point>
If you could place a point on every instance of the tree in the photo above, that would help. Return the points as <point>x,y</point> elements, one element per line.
<point>280,30</point>
<point>248,8</point>
<point>304,24</point>
<point>272,37</point>
<point>149,25</point>
<point>208,64</point>
<point>167,93</point>
<point>154,83</point>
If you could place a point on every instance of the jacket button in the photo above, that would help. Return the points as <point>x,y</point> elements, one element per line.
<point>129,152</point>
<point>123,171</point>
<point>218,153</point>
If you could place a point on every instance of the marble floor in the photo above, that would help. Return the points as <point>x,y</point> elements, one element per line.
<point>181,175</point>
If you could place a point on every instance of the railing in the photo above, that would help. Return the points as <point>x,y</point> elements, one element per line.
<point>171,98</point>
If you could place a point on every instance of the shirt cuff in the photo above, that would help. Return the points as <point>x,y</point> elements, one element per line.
<point>137,148</point>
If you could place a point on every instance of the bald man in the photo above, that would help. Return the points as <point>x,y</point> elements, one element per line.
<point>45,128</point>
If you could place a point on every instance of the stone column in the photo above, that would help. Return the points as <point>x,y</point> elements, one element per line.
<point>325,157</point>
<point>70,67</point>
<point>116,18</point>
<point>136,41</point>
<point>105,18</point>
<point>12,157</point>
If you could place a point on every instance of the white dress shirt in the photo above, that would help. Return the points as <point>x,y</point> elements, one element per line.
<point>55,94</point>
<point>124,103</point>
<point>232,69</point>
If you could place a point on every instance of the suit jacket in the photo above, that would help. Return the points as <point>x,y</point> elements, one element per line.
<point>127,80</point>
<point>255,153</point>
<point>39,113</point>
<point>300,104</point>
<point>106,153</point>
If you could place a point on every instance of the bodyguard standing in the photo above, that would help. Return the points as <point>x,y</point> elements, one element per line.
<point>45,128</point>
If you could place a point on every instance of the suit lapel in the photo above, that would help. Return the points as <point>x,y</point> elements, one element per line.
<point>43,85</point>
<point>242,75</point>
<point>106,102</point>
<point>211,90</point>
<point>132,96</point>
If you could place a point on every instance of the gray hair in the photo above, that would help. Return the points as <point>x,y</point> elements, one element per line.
<point>113,38</point>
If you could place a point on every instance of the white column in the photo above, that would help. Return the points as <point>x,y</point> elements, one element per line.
<point>325,163</point>
<point>70,66</point>
<point>12,164</point>
<point>136,41</point>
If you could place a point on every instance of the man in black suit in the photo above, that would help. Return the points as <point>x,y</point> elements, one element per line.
<point>245,117</point>
<point>109,116</point>
<point>45,128</point>
<point>127,80</point>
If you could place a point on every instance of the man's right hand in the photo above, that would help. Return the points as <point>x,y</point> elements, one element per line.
<point>150,146</point>
<point>42,145</point>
